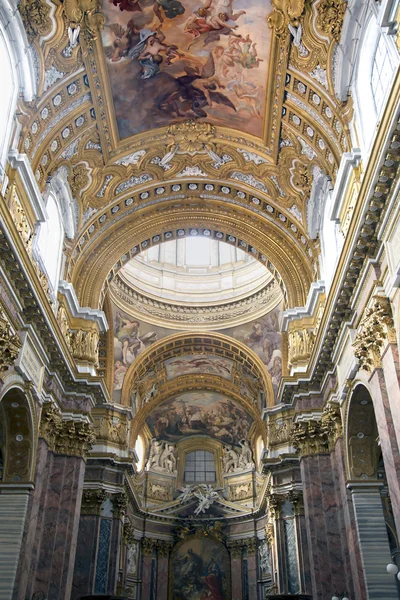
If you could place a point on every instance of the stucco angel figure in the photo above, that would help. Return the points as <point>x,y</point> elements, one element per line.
<point>246,456</point>
<point>230,459</point>
<point>186,494</point>
<point>206,496</point>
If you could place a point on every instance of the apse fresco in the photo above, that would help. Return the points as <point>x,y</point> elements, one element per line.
<point>200,571</point>
<point>264,338</point>
<point>199,363</point>
<point>171,60</point>
<point>197,413</point>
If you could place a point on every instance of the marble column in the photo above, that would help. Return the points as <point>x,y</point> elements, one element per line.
<point>387,436</point>
<point>149,569</point>
<point>162,575</point>
<point>297,501</point>
<point>86,554</point>
<point>51,527</point>
<point>373,540</point>
<point>328,552</point>
<point>236,551</point>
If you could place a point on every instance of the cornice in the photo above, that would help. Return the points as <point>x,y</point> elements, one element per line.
<point>361,244</point>
<point>218,316</point>
<point>90,314</point>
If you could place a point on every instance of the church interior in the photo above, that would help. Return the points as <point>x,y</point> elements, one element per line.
<point>200,300</point>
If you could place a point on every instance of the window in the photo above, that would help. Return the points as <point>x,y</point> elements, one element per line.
<point>198,251</point>
<point>200,467</point>
<point>382,70</point>
<point>49,243</point>
<point>6,98</point>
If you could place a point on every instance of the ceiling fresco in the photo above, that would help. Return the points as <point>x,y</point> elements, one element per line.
<point>171,60</point>
<point>188,365</point>
<point>200,413</point>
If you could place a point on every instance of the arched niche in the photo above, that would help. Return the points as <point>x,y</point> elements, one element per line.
<point>362,436</point>
<point>17,437</point>
<point>203,559</point>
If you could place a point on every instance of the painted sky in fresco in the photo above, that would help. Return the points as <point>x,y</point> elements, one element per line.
<point>170,60</point>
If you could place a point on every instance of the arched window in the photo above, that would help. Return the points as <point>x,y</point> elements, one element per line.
<point>200,467</point>
<point>382,71</point>
<point>7,99</point>
<point>49,244</point>
<point>375,70</point>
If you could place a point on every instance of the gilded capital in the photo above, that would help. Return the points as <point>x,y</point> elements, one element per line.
<point>10,344</point>
<point>332,423</point>
<point>375,327</point>
<point>50,424</point>
<point>309,437</point>
<point>301,342</point>
<point>128,533</point>
<point>74,438</point>
<point>85,345</point>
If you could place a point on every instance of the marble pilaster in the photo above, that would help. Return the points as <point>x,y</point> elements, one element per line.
<point>236,574</point>
<point>387,436</point>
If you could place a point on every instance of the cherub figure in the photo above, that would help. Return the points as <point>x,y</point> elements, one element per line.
<point>120,45</point>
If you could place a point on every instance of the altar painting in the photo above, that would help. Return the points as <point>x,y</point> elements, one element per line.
<point>200,571</point>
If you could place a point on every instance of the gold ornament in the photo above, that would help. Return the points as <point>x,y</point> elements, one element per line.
<point>10,344</point>
<point>35,17</point>
<point>375,327</point>
<point>330,17</point>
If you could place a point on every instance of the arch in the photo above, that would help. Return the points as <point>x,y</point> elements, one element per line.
<point>361,435</point>
<point>207,343</point>
<point>17,436</point>
<point>94,264</point>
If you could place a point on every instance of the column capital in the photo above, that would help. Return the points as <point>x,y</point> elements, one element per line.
<point>375,327</point>
<point>297,500</point>
<point>120,503</point>
<point>275,502</point>
<point>92,501</point>
<point>10,344</point>
<point>128,533</point>
<point>318,436</point>
<point>75,438</point>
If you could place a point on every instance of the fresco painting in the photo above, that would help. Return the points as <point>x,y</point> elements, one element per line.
<point>264,338</point>
<point>200,571</point>
<point>196,413</point>
<point>199,363</point>
<point>171,60</point>
<point>133,336</point>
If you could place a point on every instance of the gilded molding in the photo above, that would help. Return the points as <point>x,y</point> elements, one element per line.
<point>286,12</point>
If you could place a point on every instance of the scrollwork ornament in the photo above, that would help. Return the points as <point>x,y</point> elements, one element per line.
<point>35,17</point>
<point>330,17</point>
<point>286,12</point>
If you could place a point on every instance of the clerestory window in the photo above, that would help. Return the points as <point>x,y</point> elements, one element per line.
<point>200,467</point>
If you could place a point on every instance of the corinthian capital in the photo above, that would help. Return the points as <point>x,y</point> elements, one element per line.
<point>310,437</point>
<point>375,327</point>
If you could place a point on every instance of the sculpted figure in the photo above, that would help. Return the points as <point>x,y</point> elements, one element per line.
<point>156,450</point>
<point>168,458</point>
<point>230,460</point>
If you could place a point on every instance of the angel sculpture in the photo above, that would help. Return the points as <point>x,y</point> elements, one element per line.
<point>206,496</point>
<point>186,494</point>
<point>156,450</point>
